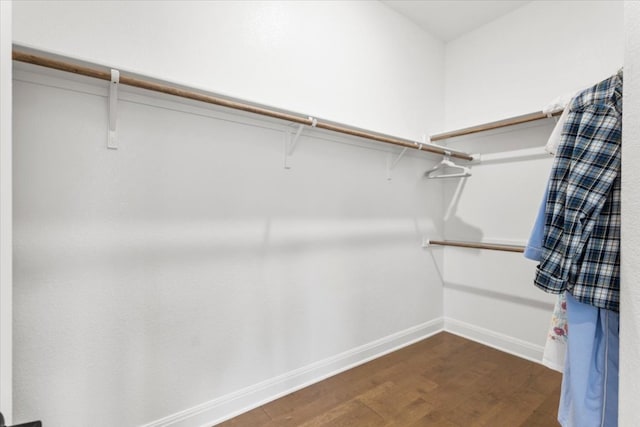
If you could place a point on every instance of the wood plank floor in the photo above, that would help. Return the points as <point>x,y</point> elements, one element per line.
<point>443,381</point>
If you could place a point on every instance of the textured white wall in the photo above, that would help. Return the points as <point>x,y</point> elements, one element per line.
<point>521,61</point>
<point>189,264</point>
<point>350,61</point>
<point>5,214</point>
<point>511,66</point>
<point>630,297</point>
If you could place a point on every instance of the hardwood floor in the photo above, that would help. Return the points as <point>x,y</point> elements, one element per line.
<point>443,381</point>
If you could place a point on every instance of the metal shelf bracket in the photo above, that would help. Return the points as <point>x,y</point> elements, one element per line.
<point>392,163</point>
<point>290,142</point>
<point>112,140</point>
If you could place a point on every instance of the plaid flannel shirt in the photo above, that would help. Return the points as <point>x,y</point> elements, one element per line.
<point>581,244</point>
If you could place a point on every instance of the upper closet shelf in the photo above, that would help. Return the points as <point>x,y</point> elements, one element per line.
<point>494,125</point>
<point>102,73</point>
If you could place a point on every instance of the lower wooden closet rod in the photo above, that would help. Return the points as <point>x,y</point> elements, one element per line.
<point>210,99</point>
<point>490,246</point>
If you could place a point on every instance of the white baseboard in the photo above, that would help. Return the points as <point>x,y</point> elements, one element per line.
<point>226,407</point>
<point>520,348</point>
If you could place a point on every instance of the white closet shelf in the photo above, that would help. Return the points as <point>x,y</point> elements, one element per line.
<point>511,121</point>
<point>103,73</point>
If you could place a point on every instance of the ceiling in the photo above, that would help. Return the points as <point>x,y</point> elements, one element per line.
<point>449,19</point>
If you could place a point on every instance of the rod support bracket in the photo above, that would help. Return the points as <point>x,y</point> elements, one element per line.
<point>112,135</point>
<point>392,163</point>
<point>291,143</point>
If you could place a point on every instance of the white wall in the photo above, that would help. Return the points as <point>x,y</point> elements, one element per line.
<point>492,297</point>
<point>521,61</point>
<point>512,66</point>
<point>6,381</point>
<point>630,292</point>
<point>349,61</point>
<point>188,275</point>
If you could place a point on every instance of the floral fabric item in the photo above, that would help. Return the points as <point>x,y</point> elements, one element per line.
<point>556,345</point>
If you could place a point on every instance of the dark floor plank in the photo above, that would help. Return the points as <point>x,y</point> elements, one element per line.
<point>257,417</point>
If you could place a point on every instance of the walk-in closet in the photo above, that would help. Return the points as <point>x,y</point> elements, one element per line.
<point>319,213</point>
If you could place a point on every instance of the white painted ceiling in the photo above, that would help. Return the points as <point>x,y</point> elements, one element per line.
<point>449,19</point>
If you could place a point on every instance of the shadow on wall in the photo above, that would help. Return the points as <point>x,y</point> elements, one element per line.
<point>500,296</point>
<point>454,222</point>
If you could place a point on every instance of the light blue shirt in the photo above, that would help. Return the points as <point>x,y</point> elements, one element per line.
<point>533,250</point>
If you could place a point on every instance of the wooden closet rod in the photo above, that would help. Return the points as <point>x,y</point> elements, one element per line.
<point>494,125</point>
<point>490,246</point>
<point>210,99</point>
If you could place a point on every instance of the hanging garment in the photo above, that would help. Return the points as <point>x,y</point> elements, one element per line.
<point>589,396</point>
<point>580,253</point>
<point>555,347</point>
<point>556,134</point>
<point>533,249</point>
<point>556,344</point>
<point>561,103</point>
<point>581,244</point>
